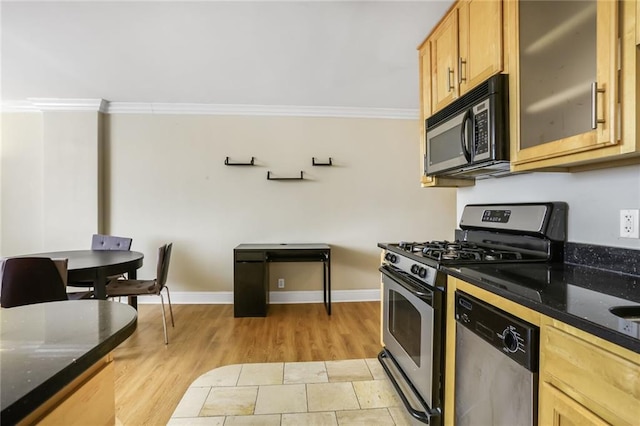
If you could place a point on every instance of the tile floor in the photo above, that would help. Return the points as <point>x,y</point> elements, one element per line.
<point>350,392</point>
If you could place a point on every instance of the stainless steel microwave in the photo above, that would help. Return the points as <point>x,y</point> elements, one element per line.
<point>470,137</point>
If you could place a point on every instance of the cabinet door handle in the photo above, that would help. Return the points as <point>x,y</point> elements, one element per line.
<point>449,74</point>
<point>460,62</point>
<point>594,105</point>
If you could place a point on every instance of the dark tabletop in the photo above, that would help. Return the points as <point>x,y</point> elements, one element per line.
<point>575,294</point>
<point>90,259</point>
<point>46,345</point>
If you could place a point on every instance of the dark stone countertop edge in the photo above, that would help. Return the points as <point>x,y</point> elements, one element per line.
<point>605,333</point>
<point>31,401</point>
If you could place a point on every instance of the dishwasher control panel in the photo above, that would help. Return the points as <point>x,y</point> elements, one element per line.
<point>518,339</point>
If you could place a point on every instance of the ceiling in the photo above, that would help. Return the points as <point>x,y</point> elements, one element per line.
<point>298,53</point>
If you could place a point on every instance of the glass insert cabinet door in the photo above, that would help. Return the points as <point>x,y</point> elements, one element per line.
<point>566,81</point>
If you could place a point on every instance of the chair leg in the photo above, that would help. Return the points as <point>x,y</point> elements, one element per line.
<point>170,309</point>
<point>164,320</point>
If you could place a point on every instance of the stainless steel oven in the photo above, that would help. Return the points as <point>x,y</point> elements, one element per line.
<point>414,288</point>
<point>413,330</point>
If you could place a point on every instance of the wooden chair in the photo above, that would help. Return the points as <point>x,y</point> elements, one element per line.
<point>126,288</point>
<point>29,280</point>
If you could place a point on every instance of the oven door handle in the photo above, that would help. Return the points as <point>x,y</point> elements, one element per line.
<point>421,293</point>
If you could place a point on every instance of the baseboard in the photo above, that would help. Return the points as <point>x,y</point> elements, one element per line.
<point>275,297</point>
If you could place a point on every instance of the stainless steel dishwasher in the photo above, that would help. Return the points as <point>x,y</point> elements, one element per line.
<point>496,373</point>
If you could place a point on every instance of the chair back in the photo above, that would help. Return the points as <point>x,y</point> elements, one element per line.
<point>29,280</point>
<point>110,242</point>
<point>164,256</point>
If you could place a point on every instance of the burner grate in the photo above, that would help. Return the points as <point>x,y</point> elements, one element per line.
<point>444,251</point>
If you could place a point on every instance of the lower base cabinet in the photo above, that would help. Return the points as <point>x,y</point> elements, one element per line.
<point>561,410</point>
<point>88,400</point>
<point>586,380</point>
<point>583,379</point>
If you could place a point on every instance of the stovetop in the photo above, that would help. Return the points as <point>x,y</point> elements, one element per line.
<point>462,251</point>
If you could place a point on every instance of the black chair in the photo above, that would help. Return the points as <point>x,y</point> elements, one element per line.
<point>29,280</point>
<point>126,288</point>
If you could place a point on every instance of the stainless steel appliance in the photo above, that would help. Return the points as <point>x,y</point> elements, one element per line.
<point>470,137</point>
<point>414,289</point>
<point>496,366</point>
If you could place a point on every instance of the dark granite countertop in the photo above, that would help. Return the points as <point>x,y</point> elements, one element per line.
<point>576,294</point>
<point>47,345</point>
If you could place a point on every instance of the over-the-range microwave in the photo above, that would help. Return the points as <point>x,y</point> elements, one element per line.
<point>470,137</point>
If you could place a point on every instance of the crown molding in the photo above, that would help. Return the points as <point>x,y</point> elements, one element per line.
<point>67,105</point>
<point>100,105</point>
<point>259,110</point>
<point>18,106</point>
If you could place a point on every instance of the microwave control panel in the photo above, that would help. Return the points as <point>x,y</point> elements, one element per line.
<point>481,126</point>
<point>481,119</point>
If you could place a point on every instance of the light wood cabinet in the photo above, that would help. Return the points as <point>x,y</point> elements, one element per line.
<point>466,49</point>
<point>586,380</point>
<point>87,400</point>
<point>564,411</point>
<point>480,42</point>
<point>573,85</point>
<point>443,44</point>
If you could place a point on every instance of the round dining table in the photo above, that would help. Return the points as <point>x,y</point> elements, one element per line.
<point>97,265</point>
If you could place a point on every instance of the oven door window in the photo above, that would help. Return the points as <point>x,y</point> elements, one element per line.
<point>404,324</point>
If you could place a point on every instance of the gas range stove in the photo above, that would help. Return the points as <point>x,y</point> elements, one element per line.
<point>505,233</point>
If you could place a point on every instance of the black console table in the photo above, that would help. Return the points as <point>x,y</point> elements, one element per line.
<point>251,273</point>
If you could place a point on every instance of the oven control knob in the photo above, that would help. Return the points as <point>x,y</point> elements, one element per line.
<point>390,257</point>
<point>422,272</point>
<point>510,339</point>
<point>414,268</point>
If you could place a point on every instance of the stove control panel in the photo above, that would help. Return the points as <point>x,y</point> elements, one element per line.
<point>420,271</point>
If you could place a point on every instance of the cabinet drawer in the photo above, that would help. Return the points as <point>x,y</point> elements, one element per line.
<point>602,380</point>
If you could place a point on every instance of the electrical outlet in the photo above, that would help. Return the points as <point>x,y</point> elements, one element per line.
<point>629,225</point>
<point>280,282</point>
<point>629,328</point>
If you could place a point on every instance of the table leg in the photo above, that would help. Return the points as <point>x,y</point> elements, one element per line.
<point>326,272</point>
<point>133,300</point>
<point>100,286</point>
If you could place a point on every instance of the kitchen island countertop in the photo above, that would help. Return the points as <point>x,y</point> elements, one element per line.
<point>46,346</point>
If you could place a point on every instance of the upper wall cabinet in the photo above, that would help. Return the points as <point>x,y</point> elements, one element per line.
<point>466,49</point>
<point>480,44</point>
<point>573,83</point>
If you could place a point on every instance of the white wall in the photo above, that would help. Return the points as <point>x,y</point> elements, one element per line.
<point>595,199</point>
<point>165,181</point>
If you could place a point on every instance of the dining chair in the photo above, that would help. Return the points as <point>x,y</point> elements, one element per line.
<point>110,242</point>
<point>126,288</point>
<point>105,242</point>
<point>29,280</point>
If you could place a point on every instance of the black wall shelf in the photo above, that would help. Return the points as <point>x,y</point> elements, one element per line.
<point>228,163</point>
<point>286,178</point>
<point>315,163</point>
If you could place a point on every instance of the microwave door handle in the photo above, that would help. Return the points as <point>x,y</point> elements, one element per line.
<point>463,136</point>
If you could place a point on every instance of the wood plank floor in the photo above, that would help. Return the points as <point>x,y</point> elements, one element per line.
<point>151,377</point>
